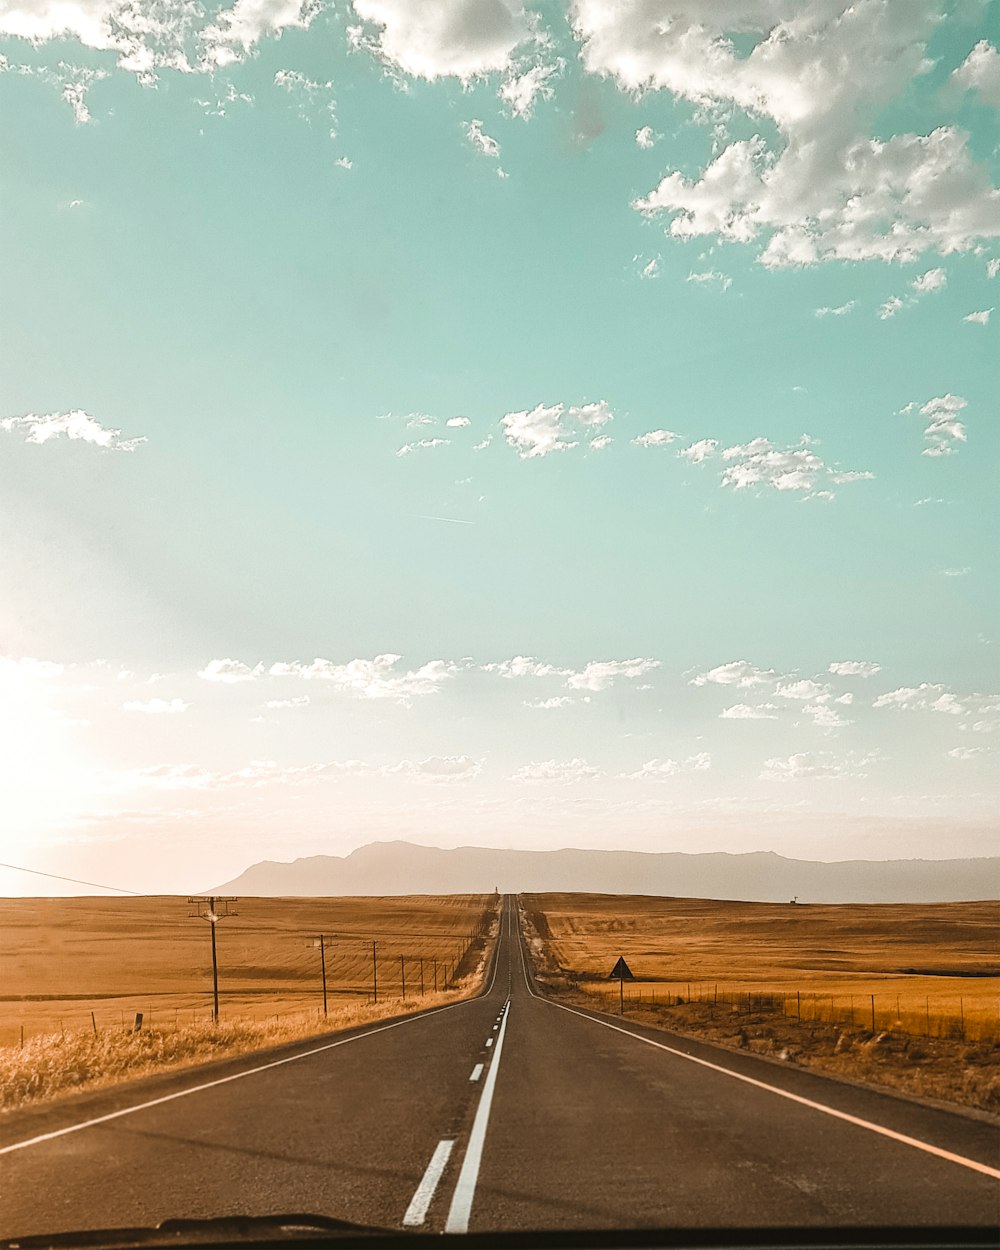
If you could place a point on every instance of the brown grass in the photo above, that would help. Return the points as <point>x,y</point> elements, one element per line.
<point>932,968</point>
<point>70,964</point>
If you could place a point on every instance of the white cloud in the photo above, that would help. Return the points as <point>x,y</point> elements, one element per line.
<point>457,423</point>
<point>840,311</point>
<point>299,700</point>
<point>805,688</point>
<point>600,674</point>
<point>824,716</point>
<point>855,668</point>
<point>562,772</point>
<point>313,99</point>
<point>993,267</point>
<point>944,428</point>
<point>462,39</point>
<point>484,444</point>
<point>423,443</point>
<point>645,137</point>
<point>230,671</point>
<point>544,429</point>
<point>480,139</point>
<point>739,673</point>
<point>980,72</point>
<point>520,91</point>
<point>814,765</point>
<point>959,572</point>
<point>927,697</point>
<point>76,424</point>
<point>980,318</point>
<point>437,768</point>
<point>156,707</point>
<point>650,269</point>
<point>417,420</point>
<point>931,280</point>
<point>761,463</point>
<point>234,32</point>
<point>656,438</point>
<point>344,162</point>
<point>711,277</point>
<point>825,189</point>
<point>889,309</point>
<point>662,770</point>
<point>599,443</point>
<point>745,711</point>
<point>847,697</point>
<point>548,705</point>
<point>525,666</point>
<point>700,451</point>
<point>372,679</point>
<point>965,753</point>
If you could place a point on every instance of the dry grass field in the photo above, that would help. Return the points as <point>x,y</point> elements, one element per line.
<point>929,966</point>
<point>796,982</point>
<point>83,964</point>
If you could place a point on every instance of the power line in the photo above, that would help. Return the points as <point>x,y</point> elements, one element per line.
<point>96,885</point>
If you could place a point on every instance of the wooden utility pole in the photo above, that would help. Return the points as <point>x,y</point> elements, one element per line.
<point>213,909</point>
<point>322,965</point>
<point>374,976</point>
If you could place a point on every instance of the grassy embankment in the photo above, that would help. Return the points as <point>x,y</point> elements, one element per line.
<point>75,971</point>
<point>933,969</point>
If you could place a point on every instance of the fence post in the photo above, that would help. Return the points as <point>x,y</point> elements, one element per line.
<point>873,1015</point>
<point>798,1004</point>
<point>961,1014</point>
<point>927,1016</point>
<point>93,1021</point>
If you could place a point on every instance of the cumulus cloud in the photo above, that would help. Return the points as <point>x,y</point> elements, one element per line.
<point>437,769</point>
<point>805,765</point>
<point>463,39</point>
<point>824,716</point>
<point>421,445</point>
<point>854,668</point>
<point>889,309</point>
<point>76,424</point>
<point>379,678</point>
<point>993,267</point>
<point>932,280</point>
<point>230,671</point>
<point>761,463</point>
<point>840,311</point>
<point>927,697</point>
<point>663,770</point>
<point>651,269</point>
<point>739,673</point>
<point>600,674</point>
<point>156,707</point>
<point>480,140</point>
<point>545,429</point>
<point>299,700</point>
<point>980,72</point>
<point>747,711</point>
<point>944,429</point>
<point>599,443</point>
<point>980,318</point>
<point>805,688</point>
<point>457,423</point>
<point>965,753</point>
<point>711,277</point>
<point>645,137</point>
<point>548,705</point>
<point>234,32</point>
<point>312,99</point>
<point>560,772</point>
<point>656,438</point>
<point>521,90</point>
<point>825,189</point>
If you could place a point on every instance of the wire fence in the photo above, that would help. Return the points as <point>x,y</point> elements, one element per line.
<point>974,1017</point>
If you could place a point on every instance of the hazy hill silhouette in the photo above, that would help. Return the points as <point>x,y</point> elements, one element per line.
<point>760,876</point>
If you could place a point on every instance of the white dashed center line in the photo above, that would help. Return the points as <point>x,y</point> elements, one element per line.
<point>477,1072</point>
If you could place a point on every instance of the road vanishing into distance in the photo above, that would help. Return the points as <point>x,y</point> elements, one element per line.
<point>508,1111</point>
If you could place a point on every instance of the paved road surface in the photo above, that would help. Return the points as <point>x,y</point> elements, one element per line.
<point>509,1111</point>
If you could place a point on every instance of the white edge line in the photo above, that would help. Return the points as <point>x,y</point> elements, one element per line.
<point>416,1212</point>
<point>477,1072</point>
<point>465,1187</point>
<point>236,1076</point>
<point>940,1153</point>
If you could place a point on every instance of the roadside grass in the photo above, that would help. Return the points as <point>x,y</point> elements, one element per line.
<point>699,960</point>
<point>54,1065</point>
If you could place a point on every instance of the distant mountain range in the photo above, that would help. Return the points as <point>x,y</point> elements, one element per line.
<point>760,876</point>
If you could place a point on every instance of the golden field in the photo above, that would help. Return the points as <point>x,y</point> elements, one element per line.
<point>68,965</point>
<point>934,969</point>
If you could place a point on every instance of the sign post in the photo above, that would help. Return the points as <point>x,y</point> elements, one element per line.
<point>622,973</point>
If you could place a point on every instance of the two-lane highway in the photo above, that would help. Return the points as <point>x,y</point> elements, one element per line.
<point>506,1111</point>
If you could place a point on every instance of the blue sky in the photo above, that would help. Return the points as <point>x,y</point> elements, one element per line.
<point>626,374</point>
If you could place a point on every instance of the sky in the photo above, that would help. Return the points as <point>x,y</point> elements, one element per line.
<point>476,423</point>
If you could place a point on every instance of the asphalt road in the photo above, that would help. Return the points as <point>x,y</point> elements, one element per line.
<point>508,1111</point>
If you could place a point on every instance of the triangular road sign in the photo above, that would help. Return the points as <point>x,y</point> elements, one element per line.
<point>621,971</point>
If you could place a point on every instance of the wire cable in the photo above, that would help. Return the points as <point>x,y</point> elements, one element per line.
<point>96,885</point>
